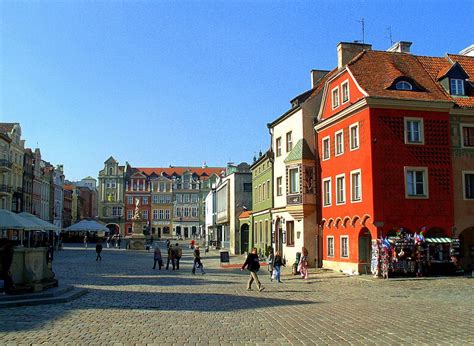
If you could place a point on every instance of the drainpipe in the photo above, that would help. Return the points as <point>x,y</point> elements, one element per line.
<point>272,230</point>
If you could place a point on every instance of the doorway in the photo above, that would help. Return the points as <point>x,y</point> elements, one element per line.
<point>365,249</point>
<point>244,234</point>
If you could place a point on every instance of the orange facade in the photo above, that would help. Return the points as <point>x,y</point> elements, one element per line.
<point>374,181</point>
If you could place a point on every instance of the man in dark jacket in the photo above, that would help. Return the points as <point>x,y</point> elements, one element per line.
<point>98,250</point>
<point>253,265</point>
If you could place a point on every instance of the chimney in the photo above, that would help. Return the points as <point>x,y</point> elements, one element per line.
<point>400,47</point>
<point>316,76</point>
<point>346,51</point>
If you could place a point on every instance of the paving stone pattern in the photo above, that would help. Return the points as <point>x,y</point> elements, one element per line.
<point>129,303</point>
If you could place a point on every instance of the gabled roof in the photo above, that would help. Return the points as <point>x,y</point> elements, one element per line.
<point>375,71</point>
<point>438,66</point>
<point>300,151</point>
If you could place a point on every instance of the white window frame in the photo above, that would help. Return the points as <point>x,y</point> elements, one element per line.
<point>425,182</point>
<point>129,199</point>
<point>337,178</point>
<point>421,130</point>
<point>145,214</point>
<point>340,246</point>
<point>279,185</point>
<point>155,214</point>
<point>328,253</point>
<point>167,214</point>
<point>328,192</point>
<point>359,172</point>
<point>289,141</point>
<point>403,85</point>
<point>351,147</point>
<point>291,182</point>
<point>343,84</point>
<point>278,146</point>
<point>336,143</point>
<point>129,214</point>
<point>462,136</point>
<point>335,100</point>
<point>328,140</point>
<point>458,89</point>
<point>464,196</point>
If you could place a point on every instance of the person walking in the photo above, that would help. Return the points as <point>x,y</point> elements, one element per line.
<point>157,258</point>
<point>178,253</point>
<point>303,264</point>
<point>171,257</point>
<point>119,240</point>
<point>197,261</point>
<point>277,264</point>
<point>270,263</point>
<point>98,250</point>
<point>252,263</point>
<point>85,241</point>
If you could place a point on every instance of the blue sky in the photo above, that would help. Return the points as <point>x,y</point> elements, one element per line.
<point>156,83</point>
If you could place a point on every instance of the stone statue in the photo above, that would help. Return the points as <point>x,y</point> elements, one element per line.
<point>137,215</point>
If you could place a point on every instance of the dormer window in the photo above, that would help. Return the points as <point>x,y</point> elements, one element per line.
<point>457,87</point>
<point>403,85</point>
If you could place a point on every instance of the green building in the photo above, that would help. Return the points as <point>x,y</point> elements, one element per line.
<point>260,219</point>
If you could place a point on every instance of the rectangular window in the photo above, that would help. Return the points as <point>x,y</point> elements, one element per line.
<point>416,182</point>
<point>354,136</point>
<point>161,199</point>
<point>155,214</point>
<point>179,198</point>
<point>186,198</point>
<point>468,136</point>
<point>278,146</point>
<point>162,187</point>
<point>194,198</point>
<point>145,214</point>
<point>326,148</point>
<point>294,175</point>
<point>155,199</point>
<point>457,87</point>
<point>345,92</point>
<point>247,187</point>
<point>194,212</point>
<point>289,142</point>
<point>344,246</point>
<point>162,214</point>
<point>145,200</point>
<point>178,212</point>
<point>335,97</point>
<point>167,214</point>
<point>279,189</point>
<point>290,233</point>
<point>268,189</point>
<point>186,212</point>
<point>327,191</point>
<point>468,183</point>
<point>129,200</point>
<point>340,189</point>
<point>339,138</point>
<point>356,191</point>
<point>330,246</point>
<point>414,130</point>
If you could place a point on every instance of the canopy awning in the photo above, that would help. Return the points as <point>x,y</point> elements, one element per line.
<point>87,226</point>
<point>10,220</point>
<point>439,240</point>
<point>42,225</point>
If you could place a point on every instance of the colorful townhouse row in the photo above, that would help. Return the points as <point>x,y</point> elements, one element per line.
<point>383,142</point>
<point>170,200</point>
<point>30,184</point>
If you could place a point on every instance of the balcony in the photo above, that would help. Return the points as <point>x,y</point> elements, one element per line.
<point>5,189</point>
<point>5,165</point>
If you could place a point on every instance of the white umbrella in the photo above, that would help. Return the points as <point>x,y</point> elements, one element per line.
<point>87,225</point>
<point>9,220</point>
<point>46,226</point>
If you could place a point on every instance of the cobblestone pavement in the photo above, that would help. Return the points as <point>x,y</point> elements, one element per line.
<point>129,302</point>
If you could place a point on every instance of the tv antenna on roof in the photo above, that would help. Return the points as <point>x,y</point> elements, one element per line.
<point>362,22</point>
<point>389,29</point>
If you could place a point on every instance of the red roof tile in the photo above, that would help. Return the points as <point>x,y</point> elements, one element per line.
<point>245,214</point>
<point>375,71</point>
<point>202,172</point>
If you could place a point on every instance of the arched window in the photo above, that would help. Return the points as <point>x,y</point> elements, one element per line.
<point>403,85</point>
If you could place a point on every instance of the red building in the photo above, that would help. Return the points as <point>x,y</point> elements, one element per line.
<point>384,147</point>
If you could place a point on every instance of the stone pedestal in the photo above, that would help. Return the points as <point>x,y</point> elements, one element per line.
<point>137,239</point>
